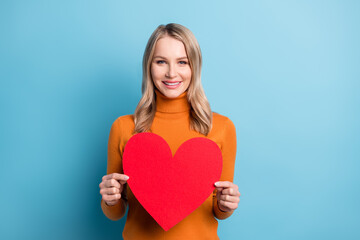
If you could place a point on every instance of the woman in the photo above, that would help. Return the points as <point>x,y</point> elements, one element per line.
<point>175,107</point>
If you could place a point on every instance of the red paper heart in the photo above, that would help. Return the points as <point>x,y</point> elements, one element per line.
<point>170,188</point>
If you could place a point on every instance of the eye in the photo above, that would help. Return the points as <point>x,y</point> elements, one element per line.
<point>183,62</point>
<point>160,61</point>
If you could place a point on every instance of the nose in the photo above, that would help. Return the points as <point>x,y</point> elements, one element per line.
<point>171,72</point>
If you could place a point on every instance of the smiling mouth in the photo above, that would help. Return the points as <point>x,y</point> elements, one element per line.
<point>171,83</point>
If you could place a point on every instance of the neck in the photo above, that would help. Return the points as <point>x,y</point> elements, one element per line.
<point>171,105</point>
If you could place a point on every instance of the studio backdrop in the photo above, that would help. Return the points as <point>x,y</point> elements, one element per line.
<point>285,72</point>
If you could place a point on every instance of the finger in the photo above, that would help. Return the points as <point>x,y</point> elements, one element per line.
<point>122,182</point>
<point>122,178</point>
<point>228,198</point>
<point>109,191</point>
<point>230,191</point>
<point>218,194</point>
<point>224,184</point>
<point>219,190</point>
<point>112,183</point>
<point>116,176</point>
<point>112,197</point>
<point>228,205</point>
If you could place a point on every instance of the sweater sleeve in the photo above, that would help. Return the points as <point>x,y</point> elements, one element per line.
<point>114,165</point>
<point>228,149</point>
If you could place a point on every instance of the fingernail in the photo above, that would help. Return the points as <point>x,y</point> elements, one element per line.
<point>126,177</point>
<point>216,184</point>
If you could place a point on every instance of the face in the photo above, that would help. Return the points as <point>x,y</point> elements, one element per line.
<point>170,69</point>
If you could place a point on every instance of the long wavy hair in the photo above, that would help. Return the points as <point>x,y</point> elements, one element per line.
<point>200,111</point>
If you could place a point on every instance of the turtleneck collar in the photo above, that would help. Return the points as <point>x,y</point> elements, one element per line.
<point>171,105</point>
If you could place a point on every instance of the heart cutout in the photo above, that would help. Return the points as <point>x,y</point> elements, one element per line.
<point>170,188</point>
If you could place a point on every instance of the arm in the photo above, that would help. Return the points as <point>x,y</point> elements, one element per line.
<point>228,149</point>
<point>114,165</point>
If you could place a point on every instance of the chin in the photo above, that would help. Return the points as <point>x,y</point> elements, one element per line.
<point>171,94</point>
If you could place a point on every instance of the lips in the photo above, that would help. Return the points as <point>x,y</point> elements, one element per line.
<point>172,85</point>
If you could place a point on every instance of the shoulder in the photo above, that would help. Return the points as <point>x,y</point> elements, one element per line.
<point>222,121</point>
<point>125,120</point>
<point>124,123</point>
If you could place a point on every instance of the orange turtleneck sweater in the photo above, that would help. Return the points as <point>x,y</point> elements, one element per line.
<point>171,122</point>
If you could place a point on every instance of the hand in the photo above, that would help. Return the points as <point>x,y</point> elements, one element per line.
<point>228,195</point>
<point>111,187</point>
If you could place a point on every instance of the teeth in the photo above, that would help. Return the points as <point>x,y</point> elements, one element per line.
<point>171,84</point>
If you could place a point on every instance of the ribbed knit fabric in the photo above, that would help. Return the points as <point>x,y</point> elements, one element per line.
<point>171,122</point>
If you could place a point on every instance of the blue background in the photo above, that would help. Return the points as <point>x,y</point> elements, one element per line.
<point>286,72</point>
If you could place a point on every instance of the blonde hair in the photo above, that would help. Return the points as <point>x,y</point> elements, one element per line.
<point>200,111</point>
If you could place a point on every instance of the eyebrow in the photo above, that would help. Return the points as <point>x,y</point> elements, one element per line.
<point>165,57</point>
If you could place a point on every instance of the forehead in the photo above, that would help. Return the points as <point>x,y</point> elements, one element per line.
<point>169,46</point>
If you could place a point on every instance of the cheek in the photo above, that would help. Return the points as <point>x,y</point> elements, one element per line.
<point>156,73</point>
<point>152,72</point>
<point>187,74</point>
